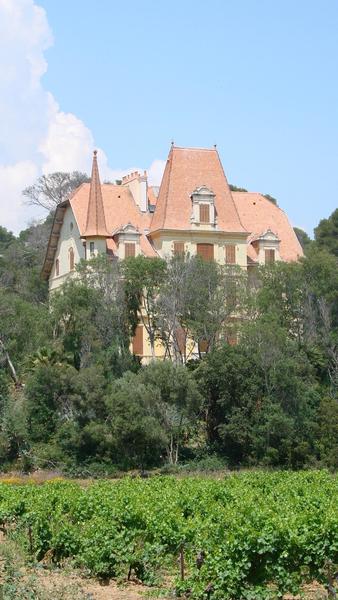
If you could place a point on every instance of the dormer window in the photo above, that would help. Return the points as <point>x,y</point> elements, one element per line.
<point>267,245</point>
<point>128,240</point>
<point>203,207</point>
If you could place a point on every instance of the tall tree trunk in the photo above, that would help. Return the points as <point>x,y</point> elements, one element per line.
<point>10,364</point>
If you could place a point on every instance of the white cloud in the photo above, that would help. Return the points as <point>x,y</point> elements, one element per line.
<point>36,136</point>
<point>13,179</point>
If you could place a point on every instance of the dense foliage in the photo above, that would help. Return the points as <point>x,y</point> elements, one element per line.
<point>247,536</point>
<point>73,396</point>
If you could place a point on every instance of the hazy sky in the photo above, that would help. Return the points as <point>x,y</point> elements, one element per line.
<point>257,77</point>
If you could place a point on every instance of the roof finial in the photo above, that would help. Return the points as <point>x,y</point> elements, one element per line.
<point>215,145</point>
<point>172,142</point>
<point>95,152</point>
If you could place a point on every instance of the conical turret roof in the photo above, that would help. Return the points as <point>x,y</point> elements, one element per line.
<point>95,222</point>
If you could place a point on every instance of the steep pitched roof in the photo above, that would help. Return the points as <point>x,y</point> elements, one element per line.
<point>95,218</point>
<point>258,214</point>
<point>187,169</point>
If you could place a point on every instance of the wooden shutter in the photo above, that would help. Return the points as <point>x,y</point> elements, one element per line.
<point>205,251</point>
<point>232,339</point>
<point>71,259</point>
<point>204,213</point>
<point>57,267</point>
<point>138,341</point>
<point>129,250</point>
<point>230,254</point>
<point>178,248</point>
<point>269,257</point>
<point>181,339</point>
<point>203,345</point>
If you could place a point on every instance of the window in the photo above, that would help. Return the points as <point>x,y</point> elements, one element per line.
<point>178,248</point>
<point>71,226</point>
<point>129,250</point>
<point>85,250</point>
<point>91,248</point>
<point>138,341</point>
<point>57,268</point>
<point>71,259</point>
<point>230,254</point>
<point>269,257</point>
<point>205,251</point>
<point>204,213</point>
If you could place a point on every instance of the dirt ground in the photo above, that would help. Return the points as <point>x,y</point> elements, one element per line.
<point>91,590</point>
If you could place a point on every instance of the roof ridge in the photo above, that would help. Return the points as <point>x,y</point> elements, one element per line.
<point>214,149</point>
<point>169,159</point>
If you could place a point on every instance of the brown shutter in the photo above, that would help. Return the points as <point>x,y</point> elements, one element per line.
<point>204,213</point>
<point>71,259</point>
<point>57,267</point>
<point>178,248</point>
<point>203,345</point>
<point>138,341</point>
<point>181,339</point>
<point>230,254</point>
<point>232,339</point>
<point>205,251</point>
<point>269,257</point>
<point>129,250</point>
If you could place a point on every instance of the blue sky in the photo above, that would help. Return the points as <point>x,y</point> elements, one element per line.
<point>257,77</point>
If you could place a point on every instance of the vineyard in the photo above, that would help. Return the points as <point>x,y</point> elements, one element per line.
<point>251,535</point>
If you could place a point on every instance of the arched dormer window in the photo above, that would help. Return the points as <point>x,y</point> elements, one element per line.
<point>57,268</point>
<point>71,259</point>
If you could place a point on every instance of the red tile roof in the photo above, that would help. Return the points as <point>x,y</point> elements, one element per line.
<point>186,170</point>
<point>100,210</point>
<point>119,209</point>
<point>258,214</point>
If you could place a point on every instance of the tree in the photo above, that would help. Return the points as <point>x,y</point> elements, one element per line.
<point>6,238</point>
<point>50,190</point>
<point>326,233</point>
<point>138,439</point>
<point>234,188</point>
<point>143,280</point>
<point>303,238</point>
<point>179,402</point>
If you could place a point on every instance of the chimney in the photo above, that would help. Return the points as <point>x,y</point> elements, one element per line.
<point>137,185</point>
